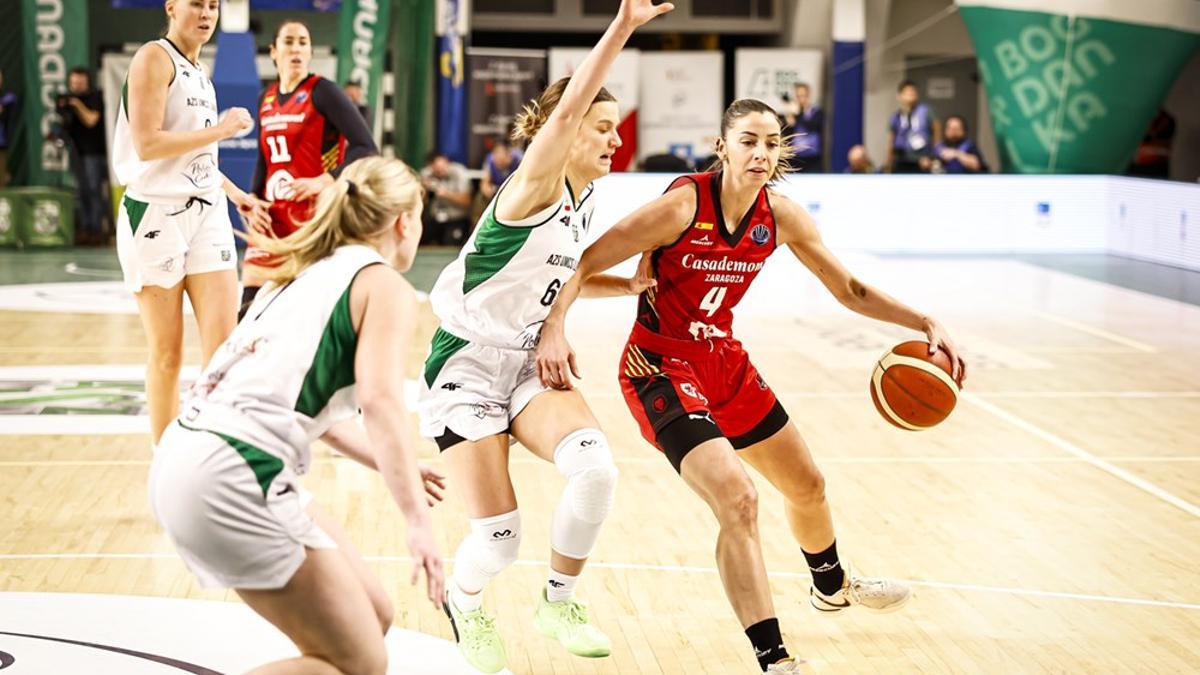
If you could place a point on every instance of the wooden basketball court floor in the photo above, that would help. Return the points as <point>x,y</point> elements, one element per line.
<point>1052,524</point>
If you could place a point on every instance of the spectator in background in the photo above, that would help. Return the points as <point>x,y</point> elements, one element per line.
<point>1153,158</point>
<point>912,132</point>
<point>805,124</point>
<point>354,91</point>
<point>859,162</point>
<point>956,153</point>
<point>501,162</point>
<point>8,107</point>
<point>447,210</point>
<point>81,109</point>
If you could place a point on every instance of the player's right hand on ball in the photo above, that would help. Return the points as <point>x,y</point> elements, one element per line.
<point>235,121</point>
<point>425,557</point>
<point>555,359</point>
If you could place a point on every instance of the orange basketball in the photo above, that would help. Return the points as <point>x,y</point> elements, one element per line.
<point>913,389</point>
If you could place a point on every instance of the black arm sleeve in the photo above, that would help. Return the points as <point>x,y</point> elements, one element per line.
<point>258,184</point>
<point>332,102</point>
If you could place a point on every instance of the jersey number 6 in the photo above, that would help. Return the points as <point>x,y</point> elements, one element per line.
<point>551,293</point>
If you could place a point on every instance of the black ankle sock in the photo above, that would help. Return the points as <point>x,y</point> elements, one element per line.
<point>768,643</point>
<point>248,294</point>
<point>827,572</point>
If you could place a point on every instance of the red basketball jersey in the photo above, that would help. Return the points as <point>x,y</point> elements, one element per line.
<point>704,274</point>
<point>296,141</point>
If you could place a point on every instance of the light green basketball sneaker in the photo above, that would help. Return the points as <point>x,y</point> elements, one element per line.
<point>477,637</point>
<point>567,622</point>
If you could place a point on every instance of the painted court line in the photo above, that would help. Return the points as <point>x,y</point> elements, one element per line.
<point>1103,465</point>
<point>1098,332</point>
<point>635,567</point>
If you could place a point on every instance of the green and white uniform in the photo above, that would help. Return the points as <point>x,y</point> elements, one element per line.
<point>223,481</point>
<point>173,219</point>
<point>492,301</point>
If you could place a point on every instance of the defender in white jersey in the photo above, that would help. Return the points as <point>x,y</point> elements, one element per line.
<point>326,337</point>
<point>480,382</point>
<point>173,231</point>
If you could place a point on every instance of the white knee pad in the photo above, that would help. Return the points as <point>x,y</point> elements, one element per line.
<point>493,545</point>
<point>585,459</point>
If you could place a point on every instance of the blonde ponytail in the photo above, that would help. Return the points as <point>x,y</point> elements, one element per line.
<point>360,206</point>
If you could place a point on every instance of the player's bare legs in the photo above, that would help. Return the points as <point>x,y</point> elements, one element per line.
<point>784,459</point>
<point>712,470</point>
<point>161,311</point>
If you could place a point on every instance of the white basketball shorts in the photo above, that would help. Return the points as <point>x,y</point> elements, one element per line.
<point>159,244</point>
<point>236,514</point>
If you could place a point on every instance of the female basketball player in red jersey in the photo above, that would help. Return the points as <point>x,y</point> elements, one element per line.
<point>308,130</point>
<point>693,389</point>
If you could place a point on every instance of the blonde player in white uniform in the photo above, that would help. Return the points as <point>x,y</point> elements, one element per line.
<point>327,336</point>
<point>173,231</point>
<point>480,382</point>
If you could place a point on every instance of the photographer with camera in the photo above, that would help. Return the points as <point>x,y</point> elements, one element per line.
<point>81,110</point>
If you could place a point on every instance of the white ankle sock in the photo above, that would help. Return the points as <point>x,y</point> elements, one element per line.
<point>465,602</point>
<point>560,586</point>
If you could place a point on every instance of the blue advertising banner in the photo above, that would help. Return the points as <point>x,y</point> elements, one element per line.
<point>235,78</point>
<point>452,90</point>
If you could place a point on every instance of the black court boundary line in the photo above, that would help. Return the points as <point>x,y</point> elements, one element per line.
<point>164,660</point>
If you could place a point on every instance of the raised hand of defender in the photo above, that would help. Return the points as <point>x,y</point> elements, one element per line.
<point>638,12</point>
<point>938,337</point>
<point>555,359</point>
<point>426,557</point>
<point>435,484</point>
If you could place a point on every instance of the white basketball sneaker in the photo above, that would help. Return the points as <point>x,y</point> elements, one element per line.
<point>878,595</point>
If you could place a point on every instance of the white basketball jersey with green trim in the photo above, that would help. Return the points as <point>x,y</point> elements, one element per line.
<point>503,283</point>
<point>191,104</point>
<point>286,373</point>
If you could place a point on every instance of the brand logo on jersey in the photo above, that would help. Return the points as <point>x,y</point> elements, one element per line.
<point>690,389</point>
<point>702,241</point>
<point>302,97</point>
<point>722,264</point>
<point>452,386</point>
<point>268,99</point>
<point>760,234</point>
<point>199,171</point>
<point>562,261</point>
<point>659,404</point>
<point>704,226</point>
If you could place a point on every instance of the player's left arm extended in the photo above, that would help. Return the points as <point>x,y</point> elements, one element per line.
<point>796,228</point>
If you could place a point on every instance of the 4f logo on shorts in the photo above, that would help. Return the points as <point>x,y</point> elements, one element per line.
<point>451,386</point>
<point>689,389</point>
